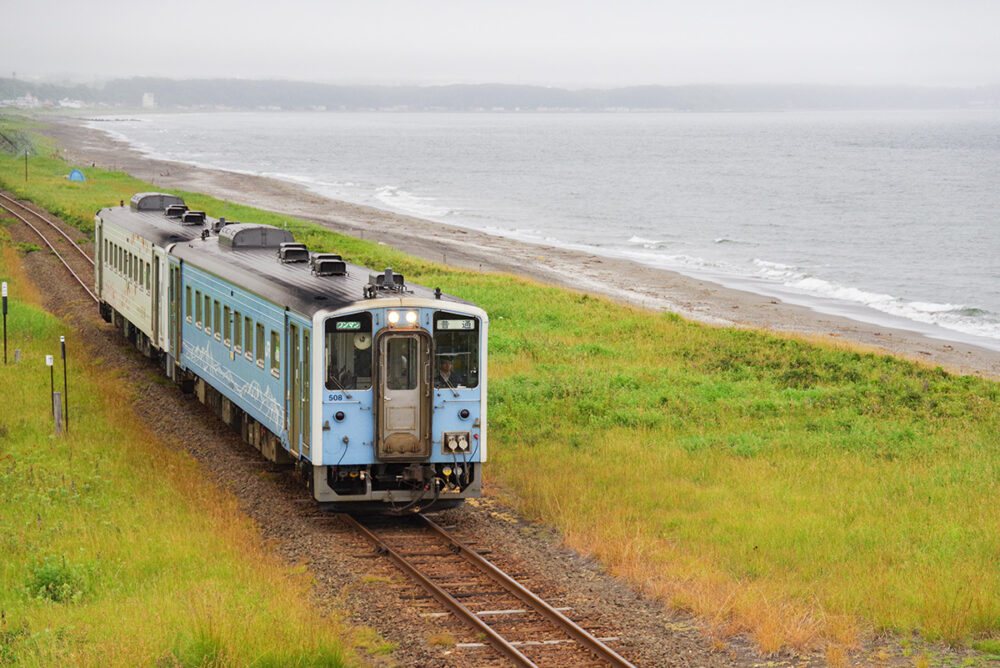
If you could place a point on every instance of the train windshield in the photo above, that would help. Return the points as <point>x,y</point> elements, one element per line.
<point>456,350</point>
<point>349,352</point>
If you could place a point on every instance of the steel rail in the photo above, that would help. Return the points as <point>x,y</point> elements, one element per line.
<point>567,625</point>
<point>53,225</point>
<point>446,599</point>
<point>52,248</point>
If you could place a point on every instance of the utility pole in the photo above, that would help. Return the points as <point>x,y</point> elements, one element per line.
<point>62,344</point>
<point>5,323</point>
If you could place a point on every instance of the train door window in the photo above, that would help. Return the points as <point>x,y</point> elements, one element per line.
<point>306,393</point>
<point>260,345</point>
<point>401,363</point>
<point>348,352</point>
<point>187,303</point>
<point>208,315</point>
<point>197,309</point>
<point>248,338</point>
<point>456,350</point>
<point>227,328</point>
<point>217,319</point>
<point>237,332</point>
<point>275,354</point>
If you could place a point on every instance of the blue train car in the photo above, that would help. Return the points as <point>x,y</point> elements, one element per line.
<point>375,387</point>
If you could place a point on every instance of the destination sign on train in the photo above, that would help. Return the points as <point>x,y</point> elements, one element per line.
<point>349,325</point>
<point>456,324</point>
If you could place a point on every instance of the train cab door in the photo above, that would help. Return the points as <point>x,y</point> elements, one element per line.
<point>404,396</point>
<point>176,316</point>
<point>294,377</point>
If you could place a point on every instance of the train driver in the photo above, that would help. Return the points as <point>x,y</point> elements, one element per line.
<point>446,376</point>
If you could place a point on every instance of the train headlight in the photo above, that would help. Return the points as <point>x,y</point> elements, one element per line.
<point>393,317</point>
<point>411,317</point>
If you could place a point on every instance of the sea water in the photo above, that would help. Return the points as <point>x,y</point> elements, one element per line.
<point>888,217</point>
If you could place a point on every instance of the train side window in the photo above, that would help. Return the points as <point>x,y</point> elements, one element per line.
<point>248,338</point>
<point>217,319</point>
<point>227,315</point>
<point>149,283</point>
<point>237,332</point>
<point>456,350</point>
<point>348,352</point>
<point>275,354</point>
<point>208,315</point>
<point>187,303</point>
<point>197,309</point>
<point>260,345</point>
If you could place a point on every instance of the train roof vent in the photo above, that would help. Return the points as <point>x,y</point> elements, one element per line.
<point>316,257</point>
<point>175,210</point>
<point>153,201</point>
<point>193,218</point>
<point>293,252</point>
<point>329,267</point>
<point>252,235</point>
<point>387,282</point>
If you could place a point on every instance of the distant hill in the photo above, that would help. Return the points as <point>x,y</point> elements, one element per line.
<point>292,95</point>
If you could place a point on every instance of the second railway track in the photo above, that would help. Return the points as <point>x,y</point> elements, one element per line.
<point>77,261</point>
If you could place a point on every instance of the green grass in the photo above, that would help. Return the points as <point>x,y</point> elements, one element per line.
<point>116,550</point>
<point>794,491</point>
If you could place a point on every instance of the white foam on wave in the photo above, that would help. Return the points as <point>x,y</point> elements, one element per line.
<point>645,242</point>
<point>956,317</point>
<point>410,203</point>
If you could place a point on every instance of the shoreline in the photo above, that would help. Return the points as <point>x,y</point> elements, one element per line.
<point>619,279</point>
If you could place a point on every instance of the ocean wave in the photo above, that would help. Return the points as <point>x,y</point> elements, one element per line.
<point>645,242</point>
<point>410,203</point>
<point>956,317</point>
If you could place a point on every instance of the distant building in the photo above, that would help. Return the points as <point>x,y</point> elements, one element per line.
<point>148,101</point>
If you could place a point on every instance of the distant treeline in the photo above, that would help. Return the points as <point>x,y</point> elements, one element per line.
<point>292,95</point>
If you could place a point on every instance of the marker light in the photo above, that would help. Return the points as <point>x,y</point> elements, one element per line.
<point>411,317</point>
<point>393,317</point>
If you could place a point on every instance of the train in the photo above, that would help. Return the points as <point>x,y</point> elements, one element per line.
<point>372,386</point>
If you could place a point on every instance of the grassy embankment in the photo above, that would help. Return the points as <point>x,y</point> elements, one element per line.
<point>798,492</point>
<point>114,549</point>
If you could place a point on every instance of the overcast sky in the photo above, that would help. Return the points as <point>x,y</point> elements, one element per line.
<point>570,43</point>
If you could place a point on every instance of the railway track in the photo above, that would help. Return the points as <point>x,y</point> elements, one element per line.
<point>504,613</point>
<point>81,264</point>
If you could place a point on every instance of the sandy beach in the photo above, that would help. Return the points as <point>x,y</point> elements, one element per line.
<point>625,281</point>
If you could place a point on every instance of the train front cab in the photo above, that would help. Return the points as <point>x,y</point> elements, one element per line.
<point>403,407</point>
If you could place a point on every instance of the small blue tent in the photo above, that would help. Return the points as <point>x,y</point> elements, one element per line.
<point>76,175</point>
